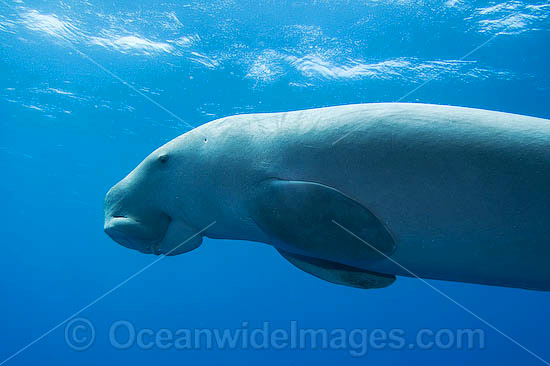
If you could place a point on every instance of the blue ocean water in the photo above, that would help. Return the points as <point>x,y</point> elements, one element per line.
<point>89,88</point>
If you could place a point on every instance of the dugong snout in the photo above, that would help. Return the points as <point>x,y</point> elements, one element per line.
<point>131,223</point>
<point>132,234</point>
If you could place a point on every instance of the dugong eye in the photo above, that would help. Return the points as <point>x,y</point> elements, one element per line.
<point>163,158</point>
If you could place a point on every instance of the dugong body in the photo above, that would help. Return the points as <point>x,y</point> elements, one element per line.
<point>355,194</point>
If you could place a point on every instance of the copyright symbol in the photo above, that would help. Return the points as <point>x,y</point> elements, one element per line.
<point>79,334</point>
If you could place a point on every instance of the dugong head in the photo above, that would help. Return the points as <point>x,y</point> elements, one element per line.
<point>146,210</point>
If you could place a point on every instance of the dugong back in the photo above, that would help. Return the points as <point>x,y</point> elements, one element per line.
<point>463,191</point>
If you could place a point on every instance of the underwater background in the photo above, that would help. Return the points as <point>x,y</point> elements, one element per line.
<point>89,88</point>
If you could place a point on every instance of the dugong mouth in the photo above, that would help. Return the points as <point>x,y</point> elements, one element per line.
<point>133,234</point>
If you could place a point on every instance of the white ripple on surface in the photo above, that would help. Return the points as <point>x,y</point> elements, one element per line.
<point>53,26</point>
<point>6,25</point>
<point>316,66</point>
<point>60,92</point>
<point>270,65</point>
<point>132,43</point>
<point>186,41</point>
<point>204,60</point>
<point>50,24</point>
<point>511,17</point>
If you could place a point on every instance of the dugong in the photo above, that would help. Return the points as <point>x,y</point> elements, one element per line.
<point>355,194</point>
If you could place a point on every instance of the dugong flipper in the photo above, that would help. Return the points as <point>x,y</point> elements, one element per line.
<point>302,215</point>
<point>338,273</point>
